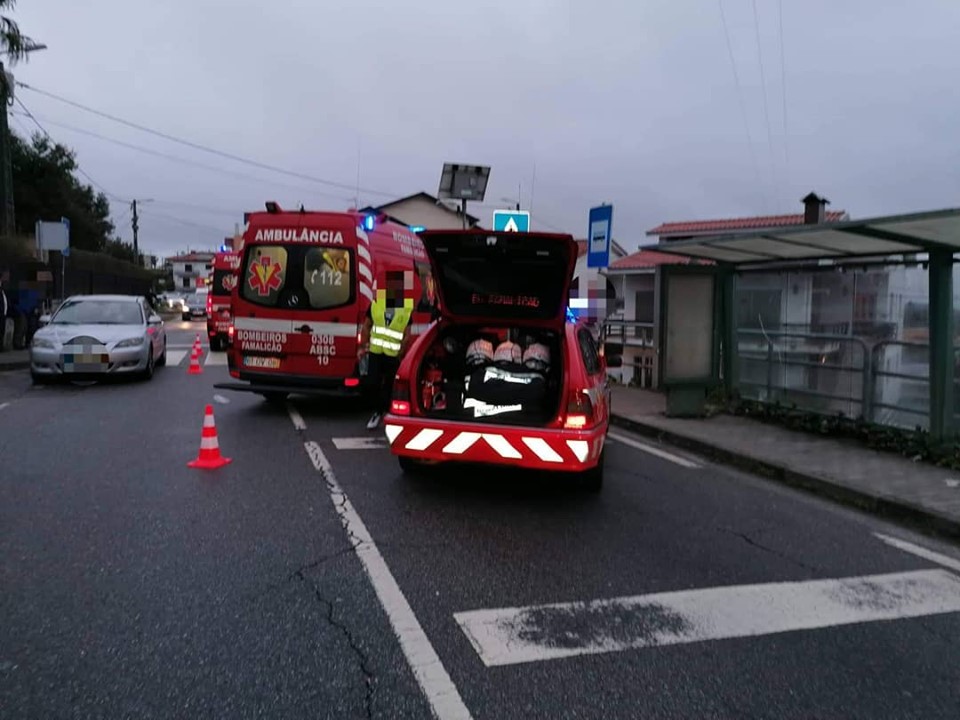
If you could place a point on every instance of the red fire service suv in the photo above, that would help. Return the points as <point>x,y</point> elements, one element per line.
<point>225,266</point>
<point>502,378</point>
<point>304,286</point>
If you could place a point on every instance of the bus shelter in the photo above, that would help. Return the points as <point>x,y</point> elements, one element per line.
<point>700,339</point>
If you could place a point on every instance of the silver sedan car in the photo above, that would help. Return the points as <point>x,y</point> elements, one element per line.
<point>93,336</point>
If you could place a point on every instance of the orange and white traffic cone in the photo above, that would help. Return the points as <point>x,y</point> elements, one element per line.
<point>209,457</point>
<point>194,368</point>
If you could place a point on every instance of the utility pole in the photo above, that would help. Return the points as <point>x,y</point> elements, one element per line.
<point>7,224</point>
<point>136,227</point>
<point>135,224</point>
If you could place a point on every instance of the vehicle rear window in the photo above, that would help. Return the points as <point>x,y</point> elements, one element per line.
<point>297,277</point>
<point>223,282</point>
<point>525,281</point>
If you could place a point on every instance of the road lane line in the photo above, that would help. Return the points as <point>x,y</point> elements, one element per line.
<point>214,359</point>
<point>3,405</point>
<point>510,636</point>
<point>616,437</point>
<point>174,357</point>
<point>920,551</point>
<point>360,443</point>
<point>296,417</point>
<point>441,693</point>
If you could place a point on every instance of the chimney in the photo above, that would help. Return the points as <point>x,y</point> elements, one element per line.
<point>814,209</point>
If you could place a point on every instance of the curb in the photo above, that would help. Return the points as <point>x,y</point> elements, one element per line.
<point>902,511</point>
<point>16,365</point>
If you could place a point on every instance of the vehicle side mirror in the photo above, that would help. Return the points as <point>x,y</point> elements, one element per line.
<point>154,320</point>
<point>44,319</point>
<point>615,361</point>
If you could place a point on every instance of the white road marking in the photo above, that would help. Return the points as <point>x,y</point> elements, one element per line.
<point>221,399</point>
<point>214,359</point>
<point>360,443</point>
<point>920,551</point>
<point>179,347</point>
<point>174,357</point>
<point>519,635</point>
<point>653,450</point>
<point>441,693</point>
<point>296,417</point>
<point>3,405</point>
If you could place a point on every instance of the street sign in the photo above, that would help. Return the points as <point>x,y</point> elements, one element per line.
<point>511,221</point>
<point>598,236</point>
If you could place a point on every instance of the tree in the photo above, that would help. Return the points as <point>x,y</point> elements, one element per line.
<point>45,188</point>
<point>14,44</point>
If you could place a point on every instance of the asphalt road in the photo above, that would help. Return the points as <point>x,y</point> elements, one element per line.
<point>133,586</point>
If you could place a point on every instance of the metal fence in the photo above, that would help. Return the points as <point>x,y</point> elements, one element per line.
<point>883,381</point>
<point>635,342</point>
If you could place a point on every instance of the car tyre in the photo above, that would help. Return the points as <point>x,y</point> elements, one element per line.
<point>38,379</point>
<point>162,362</point>
<point>151,365</point>
<point>592,480</point>
<point>410,466</point>
<point>185,317</point>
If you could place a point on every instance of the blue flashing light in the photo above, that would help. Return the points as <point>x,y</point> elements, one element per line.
<point>417,228</point>
<point>571,315</point>
<point>368,222</point>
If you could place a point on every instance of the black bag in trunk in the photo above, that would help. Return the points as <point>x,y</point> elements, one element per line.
<point>492,390</point>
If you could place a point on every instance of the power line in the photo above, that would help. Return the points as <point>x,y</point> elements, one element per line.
<point>205,148</point>
<point>763,87</point>
<point>193,163</point>
<point>79,169</point>
<point>743,107</point>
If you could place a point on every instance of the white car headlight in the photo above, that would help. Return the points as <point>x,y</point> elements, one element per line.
<point>39,342</point>
<point>130,342</point>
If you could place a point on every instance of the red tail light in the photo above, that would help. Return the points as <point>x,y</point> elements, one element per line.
<point>230,332</point>
<point>579,411</point>
<point>400,405</point>
<point>351,382</point>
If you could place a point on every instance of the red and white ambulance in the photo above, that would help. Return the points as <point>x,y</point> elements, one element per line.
<point>225,265</point>
<point>305,282</point>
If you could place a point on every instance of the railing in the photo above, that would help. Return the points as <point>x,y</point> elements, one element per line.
<point>628,332</point>
<point>638,337</point>
<point>845,356</point>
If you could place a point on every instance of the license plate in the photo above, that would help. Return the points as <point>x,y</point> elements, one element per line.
<point>262,362</point>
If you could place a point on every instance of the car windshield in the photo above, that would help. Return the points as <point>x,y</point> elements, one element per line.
<point>100,312</point>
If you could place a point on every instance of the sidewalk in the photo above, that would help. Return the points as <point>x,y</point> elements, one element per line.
<point>14,360</point>
<point>920,494</point>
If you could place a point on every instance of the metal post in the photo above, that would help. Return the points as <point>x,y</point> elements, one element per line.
<point>136,227</point>
<point>941,344</point>
<point>869,383</point>
<point>463,210</point>
<point>769,369</point>
<point>728,330</point>
<point>7,224</point>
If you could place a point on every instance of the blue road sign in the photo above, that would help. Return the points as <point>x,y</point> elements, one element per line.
<point>511,221</point>
<point>598,236</point>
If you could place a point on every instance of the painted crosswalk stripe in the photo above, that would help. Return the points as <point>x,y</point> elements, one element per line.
<point>920,551</point>
<point>683,462</point>
<point>510,636</point>
<point>359,443</point>
<point>174,357</point>
<point>214,359</point>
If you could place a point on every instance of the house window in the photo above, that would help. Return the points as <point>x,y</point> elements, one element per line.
<point>643,310</point>
<point>188,268</point>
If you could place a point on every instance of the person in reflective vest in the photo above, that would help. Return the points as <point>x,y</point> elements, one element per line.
<point>384,340</point>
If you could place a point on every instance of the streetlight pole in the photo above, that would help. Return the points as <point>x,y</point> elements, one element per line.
<point>7,217</point>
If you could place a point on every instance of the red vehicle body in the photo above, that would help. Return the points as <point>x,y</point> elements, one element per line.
<point>305,282</point>
<point>502,285</point>
<point>219,318</point>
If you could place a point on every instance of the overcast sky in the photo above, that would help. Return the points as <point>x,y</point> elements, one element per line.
<point>629,102</point>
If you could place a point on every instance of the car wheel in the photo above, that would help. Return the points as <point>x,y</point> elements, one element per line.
<point>162,362</point>
<point>412,467</point>
<point>275,397</point>
<point>592,480</point>
<point>38,379</point>
<point>148,373</point>
<point>185,317</point>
